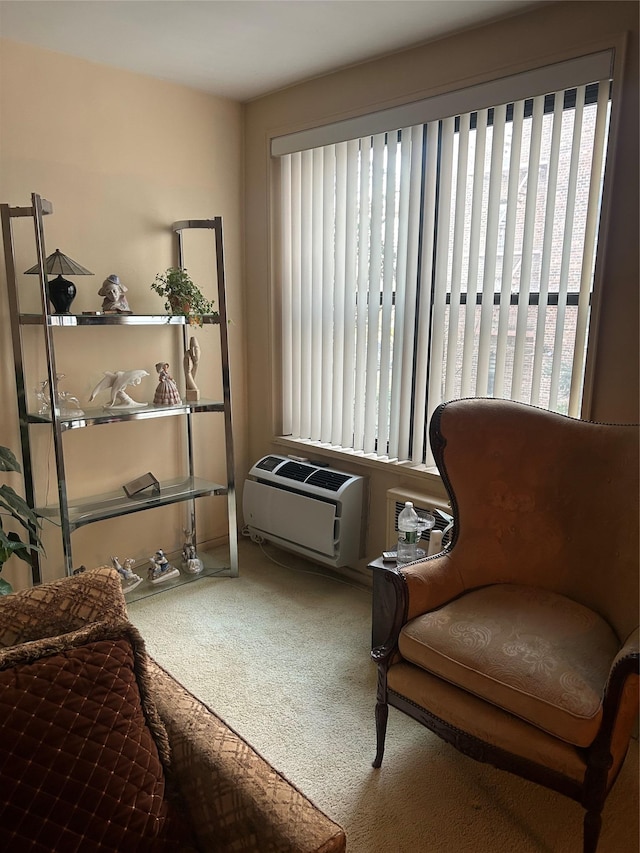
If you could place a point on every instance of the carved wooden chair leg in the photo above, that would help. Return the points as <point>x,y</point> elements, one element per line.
<point>382,714</point>
<point>592,825</point>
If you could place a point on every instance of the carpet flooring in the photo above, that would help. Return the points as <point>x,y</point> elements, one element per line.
<point>282,654</point>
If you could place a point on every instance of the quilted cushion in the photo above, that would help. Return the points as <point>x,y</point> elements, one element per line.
<point>82,747</point>
<point>532,652</point>
<point>62,606</point>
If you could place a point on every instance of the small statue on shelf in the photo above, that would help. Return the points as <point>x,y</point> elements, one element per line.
<point>190,561</point>
<point>69,406</point>
<point>167,393</point>
<point>116,382</point>
<point>114,300</point>
<point>129,579</point>
<point>191,362</point>
<point>161,569</point>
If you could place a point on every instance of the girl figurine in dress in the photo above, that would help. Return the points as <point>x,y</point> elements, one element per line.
<point>167,393</point>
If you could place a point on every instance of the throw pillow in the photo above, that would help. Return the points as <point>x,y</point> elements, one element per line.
<point>82,747</point>
<point>62,606</point>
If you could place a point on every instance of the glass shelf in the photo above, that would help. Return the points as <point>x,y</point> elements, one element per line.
<point>114,319</point>
<point>100,415</point>
<point>114,504</point>
<point>216,564</point>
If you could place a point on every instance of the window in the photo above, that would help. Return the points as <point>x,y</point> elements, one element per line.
<point>451,258</point>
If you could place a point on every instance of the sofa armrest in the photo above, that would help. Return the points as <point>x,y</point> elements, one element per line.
<point>234,799</point>
<point>62,606</point>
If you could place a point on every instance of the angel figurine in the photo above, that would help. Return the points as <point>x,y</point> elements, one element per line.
<point>190,561</point>
<point>167,393</point>
<point>116,383</point>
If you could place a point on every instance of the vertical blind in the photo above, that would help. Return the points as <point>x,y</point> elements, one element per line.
<point>447,259</point>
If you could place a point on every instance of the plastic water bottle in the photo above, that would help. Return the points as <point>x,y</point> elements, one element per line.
<point>408,534</point>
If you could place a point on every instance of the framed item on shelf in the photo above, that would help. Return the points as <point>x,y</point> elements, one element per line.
<point>141,484</point>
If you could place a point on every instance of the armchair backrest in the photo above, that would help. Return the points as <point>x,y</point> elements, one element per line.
<point>543,499</point>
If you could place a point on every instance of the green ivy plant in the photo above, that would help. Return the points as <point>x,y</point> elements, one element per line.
<point>181,295</point>
<point>12,505</point>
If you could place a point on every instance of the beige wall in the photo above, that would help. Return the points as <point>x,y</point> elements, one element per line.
<point>121,157</point>
<point>549,34</point>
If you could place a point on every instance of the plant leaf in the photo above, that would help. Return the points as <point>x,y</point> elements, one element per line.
<point>12,544</point>
<point>8,461</point>
<point>18,508</point>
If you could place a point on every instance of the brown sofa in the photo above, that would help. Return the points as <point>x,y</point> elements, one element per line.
<point>102,749</point>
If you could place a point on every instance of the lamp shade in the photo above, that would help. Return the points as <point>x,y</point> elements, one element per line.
<point>59,264</point>
<point>61,292</point>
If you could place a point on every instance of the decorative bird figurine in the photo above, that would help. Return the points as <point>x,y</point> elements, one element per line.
<point>117,382</point>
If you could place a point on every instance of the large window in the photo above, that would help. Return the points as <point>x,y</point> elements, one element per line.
<point>450,258</point>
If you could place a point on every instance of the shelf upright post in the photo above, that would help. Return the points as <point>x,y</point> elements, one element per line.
<point>189,417</point>
<point>52,377</point>
<point>215,224</point>
<point>39,208</point>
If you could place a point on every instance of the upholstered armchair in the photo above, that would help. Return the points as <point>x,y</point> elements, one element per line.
<point>519,644</point>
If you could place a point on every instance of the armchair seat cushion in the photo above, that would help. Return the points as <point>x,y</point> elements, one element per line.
<point>529,651</point>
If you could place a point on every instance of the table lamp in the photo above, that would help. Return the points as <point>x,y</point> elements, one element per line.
<point>60,291</point>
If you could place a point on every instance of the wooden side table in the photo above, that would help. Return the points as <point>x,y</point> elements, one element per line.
<point>388,586</point>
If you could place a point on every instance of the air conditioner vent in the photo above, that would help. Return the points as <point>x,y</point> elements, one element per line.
<point>330,480</point>
<point>269,463</point>
<point>295,471</point>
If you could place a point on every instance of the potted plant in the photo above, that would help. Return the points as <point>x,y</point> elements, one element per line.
<point>13,505</point>
<point>181,295</point>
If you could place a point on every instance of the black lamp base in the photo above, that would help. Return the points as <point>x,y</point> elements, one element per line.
<point>61,294</point>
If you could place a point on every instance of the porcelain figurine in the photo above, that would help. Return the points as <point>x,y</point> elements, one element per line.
<point>116,383</point>
<point>167,393</point>
<point>190,561</point>
<point>161,569</point>
<point>129,579</point>
<point>113,292</point>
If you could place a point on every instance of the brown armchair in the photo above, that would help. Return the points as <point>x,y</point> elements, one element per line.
<point>519,645</point>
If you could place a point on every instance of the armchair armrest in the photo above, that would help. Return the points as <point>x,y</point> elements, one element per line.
<point>401,593</point>
<point>620,705</point>
<point>234,799</point>
<point>431,583</point>
<point>62,606</point>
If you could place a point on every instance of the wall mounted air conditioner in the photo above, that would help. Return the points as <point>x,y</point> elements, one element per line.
<point>314,511</point>
<point>440,507</point>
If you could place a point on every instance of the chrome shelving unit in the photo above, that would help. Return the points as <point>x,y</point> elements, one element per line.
<point>69,514</point>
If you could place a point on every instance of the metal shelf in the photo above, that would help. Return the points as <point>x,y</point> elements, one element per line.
<point>70,514</point>
<point>114,319</point>
<point>114,504</point>
<point>96,416</point>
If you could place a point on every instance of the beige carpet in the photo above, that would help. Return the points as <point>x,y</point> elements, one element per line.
<point>283,657</point>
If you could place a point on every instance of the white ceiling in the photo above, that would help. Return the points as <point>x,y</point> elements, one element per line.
<point>239,49</point>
